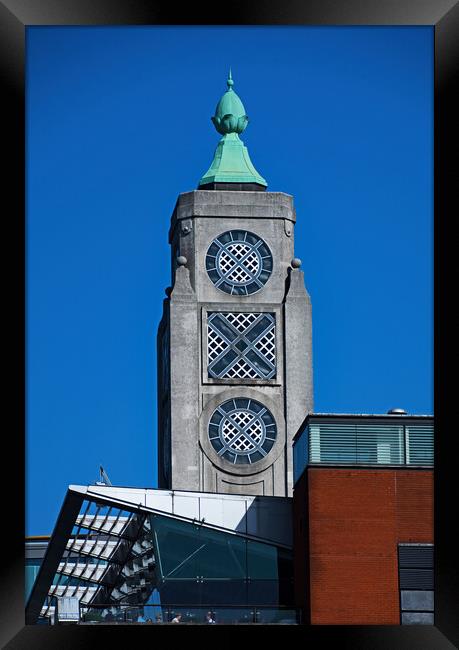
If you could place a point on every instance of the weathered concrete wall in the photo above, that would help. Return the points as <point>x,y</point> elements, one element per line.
<point>200,217</point>
<point>184,391</point>
<point>298,361</point>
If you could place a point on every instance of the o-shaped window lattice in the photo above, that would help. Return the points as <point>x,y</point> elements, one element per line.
<point>238,262</point>
<point>242,431</point>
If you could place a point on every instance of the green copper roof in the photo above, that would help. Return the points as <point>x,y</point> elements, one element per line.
<point>231,163</point>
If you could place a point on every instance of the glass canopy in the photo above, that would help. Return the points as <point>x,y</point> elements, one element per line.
<point>110,556</point>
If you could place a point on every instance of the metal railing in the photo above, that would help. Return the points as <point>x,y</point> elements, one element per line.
<point>153,613</point>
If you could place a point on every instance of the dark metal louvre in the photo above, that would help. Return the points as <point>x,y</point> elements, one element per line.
<point>416,584</point>
<point>416,579</point>
<point>416,557</point>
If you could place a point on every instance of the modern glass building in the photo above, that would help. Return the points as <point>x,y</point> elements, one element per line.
<point>201,565</point>
<point>35,550</point>
<point>353,546</point>
<point>118,558</point>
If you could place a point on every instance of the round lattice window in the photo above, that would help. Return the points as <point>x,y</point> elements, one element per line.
<point>238,262</point>
<point>242,431</point>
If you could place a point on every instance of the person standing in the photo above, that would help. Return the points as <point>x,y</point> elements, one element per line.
<point>177,618</point>
<point>209,618</point>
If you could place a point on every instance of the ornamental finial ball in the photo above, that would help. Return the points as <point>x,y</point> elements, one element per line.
<point>296,263</point>
<point>229,81</point>
<point>181,260</point>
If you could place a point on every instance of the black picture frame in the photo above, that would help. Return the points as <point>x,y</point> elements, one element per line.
<point>15,16</point>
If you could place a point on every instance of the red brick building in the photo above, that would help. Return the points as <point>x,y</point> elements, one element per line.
<point>363,519</point>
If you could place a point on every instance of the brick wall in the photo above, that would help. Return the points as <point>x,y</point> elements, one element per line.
<point>355,519</point>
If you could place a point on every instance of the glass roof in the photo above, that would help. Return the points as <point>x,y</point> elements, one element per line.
<point>107,555</point>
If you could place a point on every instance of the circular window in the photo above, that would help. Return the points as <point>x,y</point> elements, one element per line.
<point>242,431</point>
<point>238,262</point>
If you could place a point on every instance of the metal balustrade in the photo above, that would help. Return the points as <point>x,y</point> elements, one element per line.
<point>155,613</point>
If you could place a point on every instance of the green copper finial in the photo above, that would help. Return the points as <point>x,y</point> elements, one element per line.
<point>231,163</point>
<point>230,114</point>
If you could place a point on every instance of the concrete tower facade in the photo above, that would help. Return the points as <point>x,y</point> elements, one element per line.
<point>235,339</point>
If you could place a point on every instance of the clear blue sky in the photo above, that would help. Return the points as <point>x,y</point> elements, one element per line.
<point>118,124</point>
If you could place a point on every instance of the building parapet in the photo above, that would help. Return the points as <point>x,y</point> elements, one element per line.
<point>363,440</point>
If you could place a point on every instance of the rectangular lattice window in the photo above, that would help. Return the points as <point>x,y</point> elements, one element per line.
<point>241,345</point>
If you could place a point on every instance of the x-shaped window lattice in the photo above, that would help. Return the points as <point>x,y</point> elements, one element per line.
<point>239,262</point>
<point>242,431</point>
<point>241,345</point>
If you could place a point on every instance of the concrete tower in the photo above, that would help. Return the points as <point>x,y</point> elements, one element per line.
<point>234,342</point>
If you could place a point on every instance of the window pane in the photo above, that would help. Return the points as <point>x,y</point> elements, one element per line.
<point>221,555</point>
<point>262,561</point>
<point>224,592</point>
<point>177,546</point>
